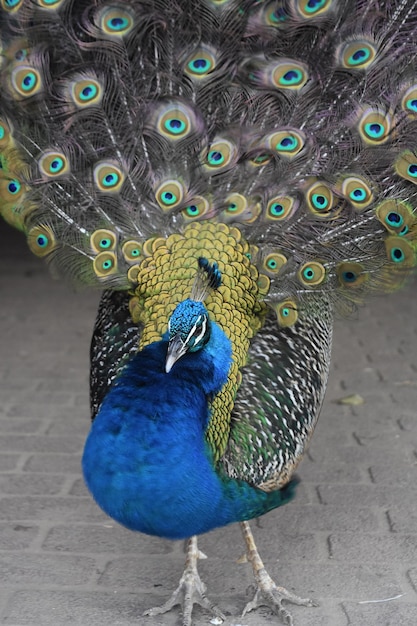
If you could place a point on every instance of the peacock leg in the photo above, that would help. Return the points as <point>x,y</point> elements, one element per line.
<point>267,592</point>
<point>191,590</point>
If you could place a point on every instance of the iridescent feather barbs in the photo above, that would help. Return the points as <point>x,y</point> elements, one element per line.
<point>234,173</point>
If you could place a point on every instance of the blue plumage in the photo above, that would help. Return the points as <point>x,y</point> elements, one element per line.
<point>146,460</point>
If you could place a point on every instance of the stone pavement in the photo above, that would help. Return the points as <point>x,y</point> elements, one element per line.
<point>349,539</point>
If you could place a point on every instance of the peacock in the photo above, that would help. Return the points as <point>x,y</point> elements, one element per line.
<point>233,175</point>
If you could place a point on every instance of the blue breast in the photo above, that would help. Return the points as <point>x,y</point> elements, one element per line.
<point>146,461</point>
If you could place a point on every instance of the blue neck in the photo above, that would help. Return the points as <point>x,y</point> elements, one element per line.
<point>146,460</point>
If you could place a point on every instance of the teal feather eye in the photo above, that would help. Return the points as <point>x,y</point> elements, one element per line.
<point>2,132</point>
<point>357,54</point>
<point>276,209</point>
<point>273,262</point>
<point>131,250</point>
<point>168,198</point>
<point>26,81</point>
<point>319,202</point>
<point>288,74</point>
<point>215,158</point>
<point>197,208</point>
<point>400,251</point>
<point>291,77</point>
<point>406,166</point>
<point>41,240</point>
<point>220,154</point>
<point>175,126</point>
<point>357,191</point>
<point>276,15</point>
<point>397,255</point>
<point>103,240</point>
<point>200,63</point>
<point>11,5</point>
<point>280,207</point>
<point>409,101</point>
<point>53,164</point>
<point>374,127</point>
<point>374,130</point>
<point>411,105</point>
<point>108,177</point>
<point>104,264</point>
<point>394,219</point>
<point>175,122</point>
<point>396,215</point>
<point>86,92</point>
<point>319,198</point>
<point>14,187</point>
<point>312,273</point>
<point>313,8</point>
<point>115,22</point>
<point>287,143</point>
<point>351,275</point>
<point>287,313</point>
<point>170,194</point>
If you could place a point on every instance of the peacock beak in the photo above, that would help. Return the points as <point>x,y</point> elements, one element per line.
<point>176,349</point>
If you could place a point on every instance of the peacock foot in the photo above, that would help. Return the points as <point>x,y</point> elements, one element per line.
<point>191,590</point>
<point>267,592</point>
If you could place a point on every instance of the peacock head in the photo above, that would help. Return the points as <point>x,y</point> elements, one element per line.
<point>189,330</point>
<point>189,325</point>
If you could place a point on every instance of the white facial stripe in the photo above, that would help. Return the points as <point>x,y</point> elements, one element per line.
<point>203,329</point>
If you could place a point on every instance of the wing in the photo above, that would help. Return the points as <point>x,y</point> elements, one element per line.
<point>279,401</point>
<point>115,338</point>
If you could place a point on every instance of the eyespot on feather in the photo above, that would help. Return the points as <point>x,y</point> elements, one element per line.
<point>108,177</point>
<point>309,9</point>
<point>219,155</point>
<point>53,164</point>
<point>357,191</point>
<point>289,74</point>
<point>131,250</point>
<point>409,101</point>
<point>351,275</point>
<point>114,22</point>
<point>319,198</point>
<point>406,166</point>
<point>175,122</point>
<point>11,6</point>
<point>281,208</point>
<point>273,263</point>
<point>400,251</point>
<point>41,240</point>
<point>200,63</point>
<point>86,92</point>
<point>197,207</point>
<point>396,215</point>
<point>169,194</point>
<point>288,143</point>
<point>356,55</point>
<point>374,127</point>
<point>311,274</point>
<point>26,81</point>
<point>103,240</point>
<point>105,264</point>
<point>287,313</point>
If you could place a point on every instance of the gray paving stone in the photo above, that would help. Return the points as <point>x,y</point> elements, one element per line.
<point>103,538</point>
<point>15,536</point>
<point>34,484</point>
<point>26,568</point>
